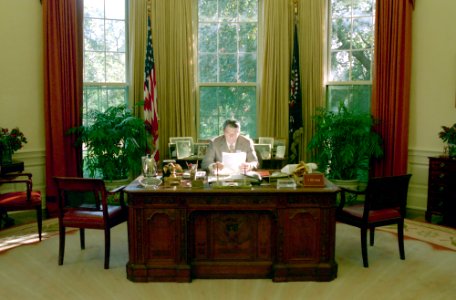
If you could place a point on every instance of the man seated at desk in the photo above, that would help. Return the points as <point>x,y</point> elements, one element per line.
<point>231,142</point>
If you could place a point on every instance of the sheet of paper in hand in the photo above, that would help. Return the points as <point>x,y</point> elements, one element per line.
<point>232,161</point>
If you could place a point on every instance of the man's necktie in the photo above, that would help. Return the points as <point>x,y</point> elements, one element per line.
<point>231,148</point>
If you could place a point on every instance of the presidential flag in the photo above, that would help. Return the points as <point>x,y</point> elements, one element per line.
<point>295,106</point>
<point>150,94</point>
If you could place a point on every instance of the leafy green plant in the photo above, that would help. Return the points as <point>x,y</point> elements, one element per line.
<point>344,143</point>
<point>114,141</point>
<point>448,135</point>
<point>12,140</point>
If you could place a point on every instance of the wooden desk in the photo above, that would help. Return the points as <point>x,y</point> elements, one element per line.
<point>177,234</point>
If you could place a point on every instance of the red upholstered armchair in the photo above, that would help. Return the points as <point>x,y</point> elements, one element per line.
<point>83,203</point>
<point>385,203</point>
<point>22,200</point>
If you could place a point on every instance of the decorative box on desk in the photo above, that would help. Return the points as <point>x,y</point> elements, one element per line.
<point>442,190</point>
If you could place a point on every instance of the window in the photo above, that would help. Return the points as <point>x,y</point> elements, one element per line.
<point>227,64</point>
<point>351,41</point>
<point>105,80</point>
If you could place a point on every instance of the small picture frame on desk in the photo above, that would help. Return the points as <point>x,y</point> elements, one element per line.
<point>266,140</point>
<point>280,152</point>
<point>263,151</point>
<point>280,148</point>
<point>175,139</point>
<point>200,149</point>
<point>184,149</point>
<point>172,150</point>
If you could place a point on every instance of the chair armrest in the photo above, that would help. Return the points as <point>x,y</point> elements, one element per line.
<point>28,183</point>
<point>120,190</point>
<point>343,192</point>
<point>116,190</point>
<point>10,176</point>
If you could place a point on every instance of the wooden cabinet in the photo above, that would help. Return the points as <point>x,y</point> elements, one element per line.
<point>181,233</point>
<point>442,190</point>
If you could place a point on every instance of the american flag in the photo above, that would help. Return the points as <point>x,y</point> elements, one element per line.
<point>295,106</point>
<point>150,94</point>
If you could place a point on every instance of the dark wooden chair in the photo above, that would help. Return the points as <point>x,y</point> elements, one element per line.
<point>83,203</point>
<point>384,204</point>
<point>20,200</point>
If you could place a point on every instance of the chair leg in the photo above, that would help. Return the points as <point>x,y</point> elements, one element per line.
<point>61,244</point>
<point>107,247</point>
<point>372,235</point>
<point>364,246</point>
<point>82,237</point>
<point>39,219</point>
<point>400,238</point>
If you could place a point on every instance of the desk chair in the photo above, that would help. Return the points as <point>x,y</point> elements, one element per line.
<point>83,203</point>
<point>385,203</point>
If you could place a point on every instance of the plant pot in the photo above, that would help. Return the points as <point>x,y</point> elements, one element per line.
<point>6,156</point>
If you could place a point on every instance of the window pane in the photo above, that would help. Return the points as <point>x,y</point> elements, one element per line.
<point>207,41</point>
<point>363,8</point>
<point>341,8</point>
<point>94,9</point>
<point>227,55</point>
<point>248,10</point>
<point>207,10</point>
<point>221,103</point>
<point>361,65</point>
<point>115,36</point>
<point>363,35</point>
<point>341,32</point>
<point>340,66</point>
<point>355,97</point>
<point>94,66</point>
<point>115,9</point>
<point>228,68</point>
<point>207,67</point>
<point>115,67</point>
<point>102,97</point>
<point>247,67</point>
<point>228,38</point>
<point>248,37</point>
<point>227,10</point>
<point>94,34</point>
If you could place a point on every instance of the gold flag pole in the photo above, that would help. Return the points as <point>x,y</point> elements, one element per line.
<point>295,9</point>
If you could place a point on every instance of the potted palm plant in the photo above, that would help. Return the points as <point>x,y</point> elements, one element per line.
<point>344,143</point>
<point>113,142</point>
<point>448,136</point>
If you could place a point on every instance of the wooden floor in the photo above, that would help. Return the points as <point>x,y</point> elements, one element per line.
<point>31,272</point>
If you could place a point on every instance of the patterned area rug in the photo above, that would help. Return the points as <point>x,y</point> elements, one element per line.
<point>440,237</point>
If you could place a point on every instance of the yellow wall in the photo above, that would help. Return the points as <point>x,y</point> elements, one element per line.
<point>21,80</point>
<point>433,89</point>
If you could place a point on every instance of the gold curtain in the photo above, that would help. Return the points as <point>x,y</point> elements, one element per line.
<point>172,36</point>
<point>312,38</point>
<point>276,42</point>
<point>137,48</point>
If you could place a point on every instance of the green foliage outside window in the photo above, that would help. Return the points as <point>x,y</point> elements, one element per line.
<point>227,64</point>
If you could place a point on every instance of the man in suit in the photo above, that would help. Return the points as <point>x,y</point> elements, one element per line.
<point>230,141</point>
